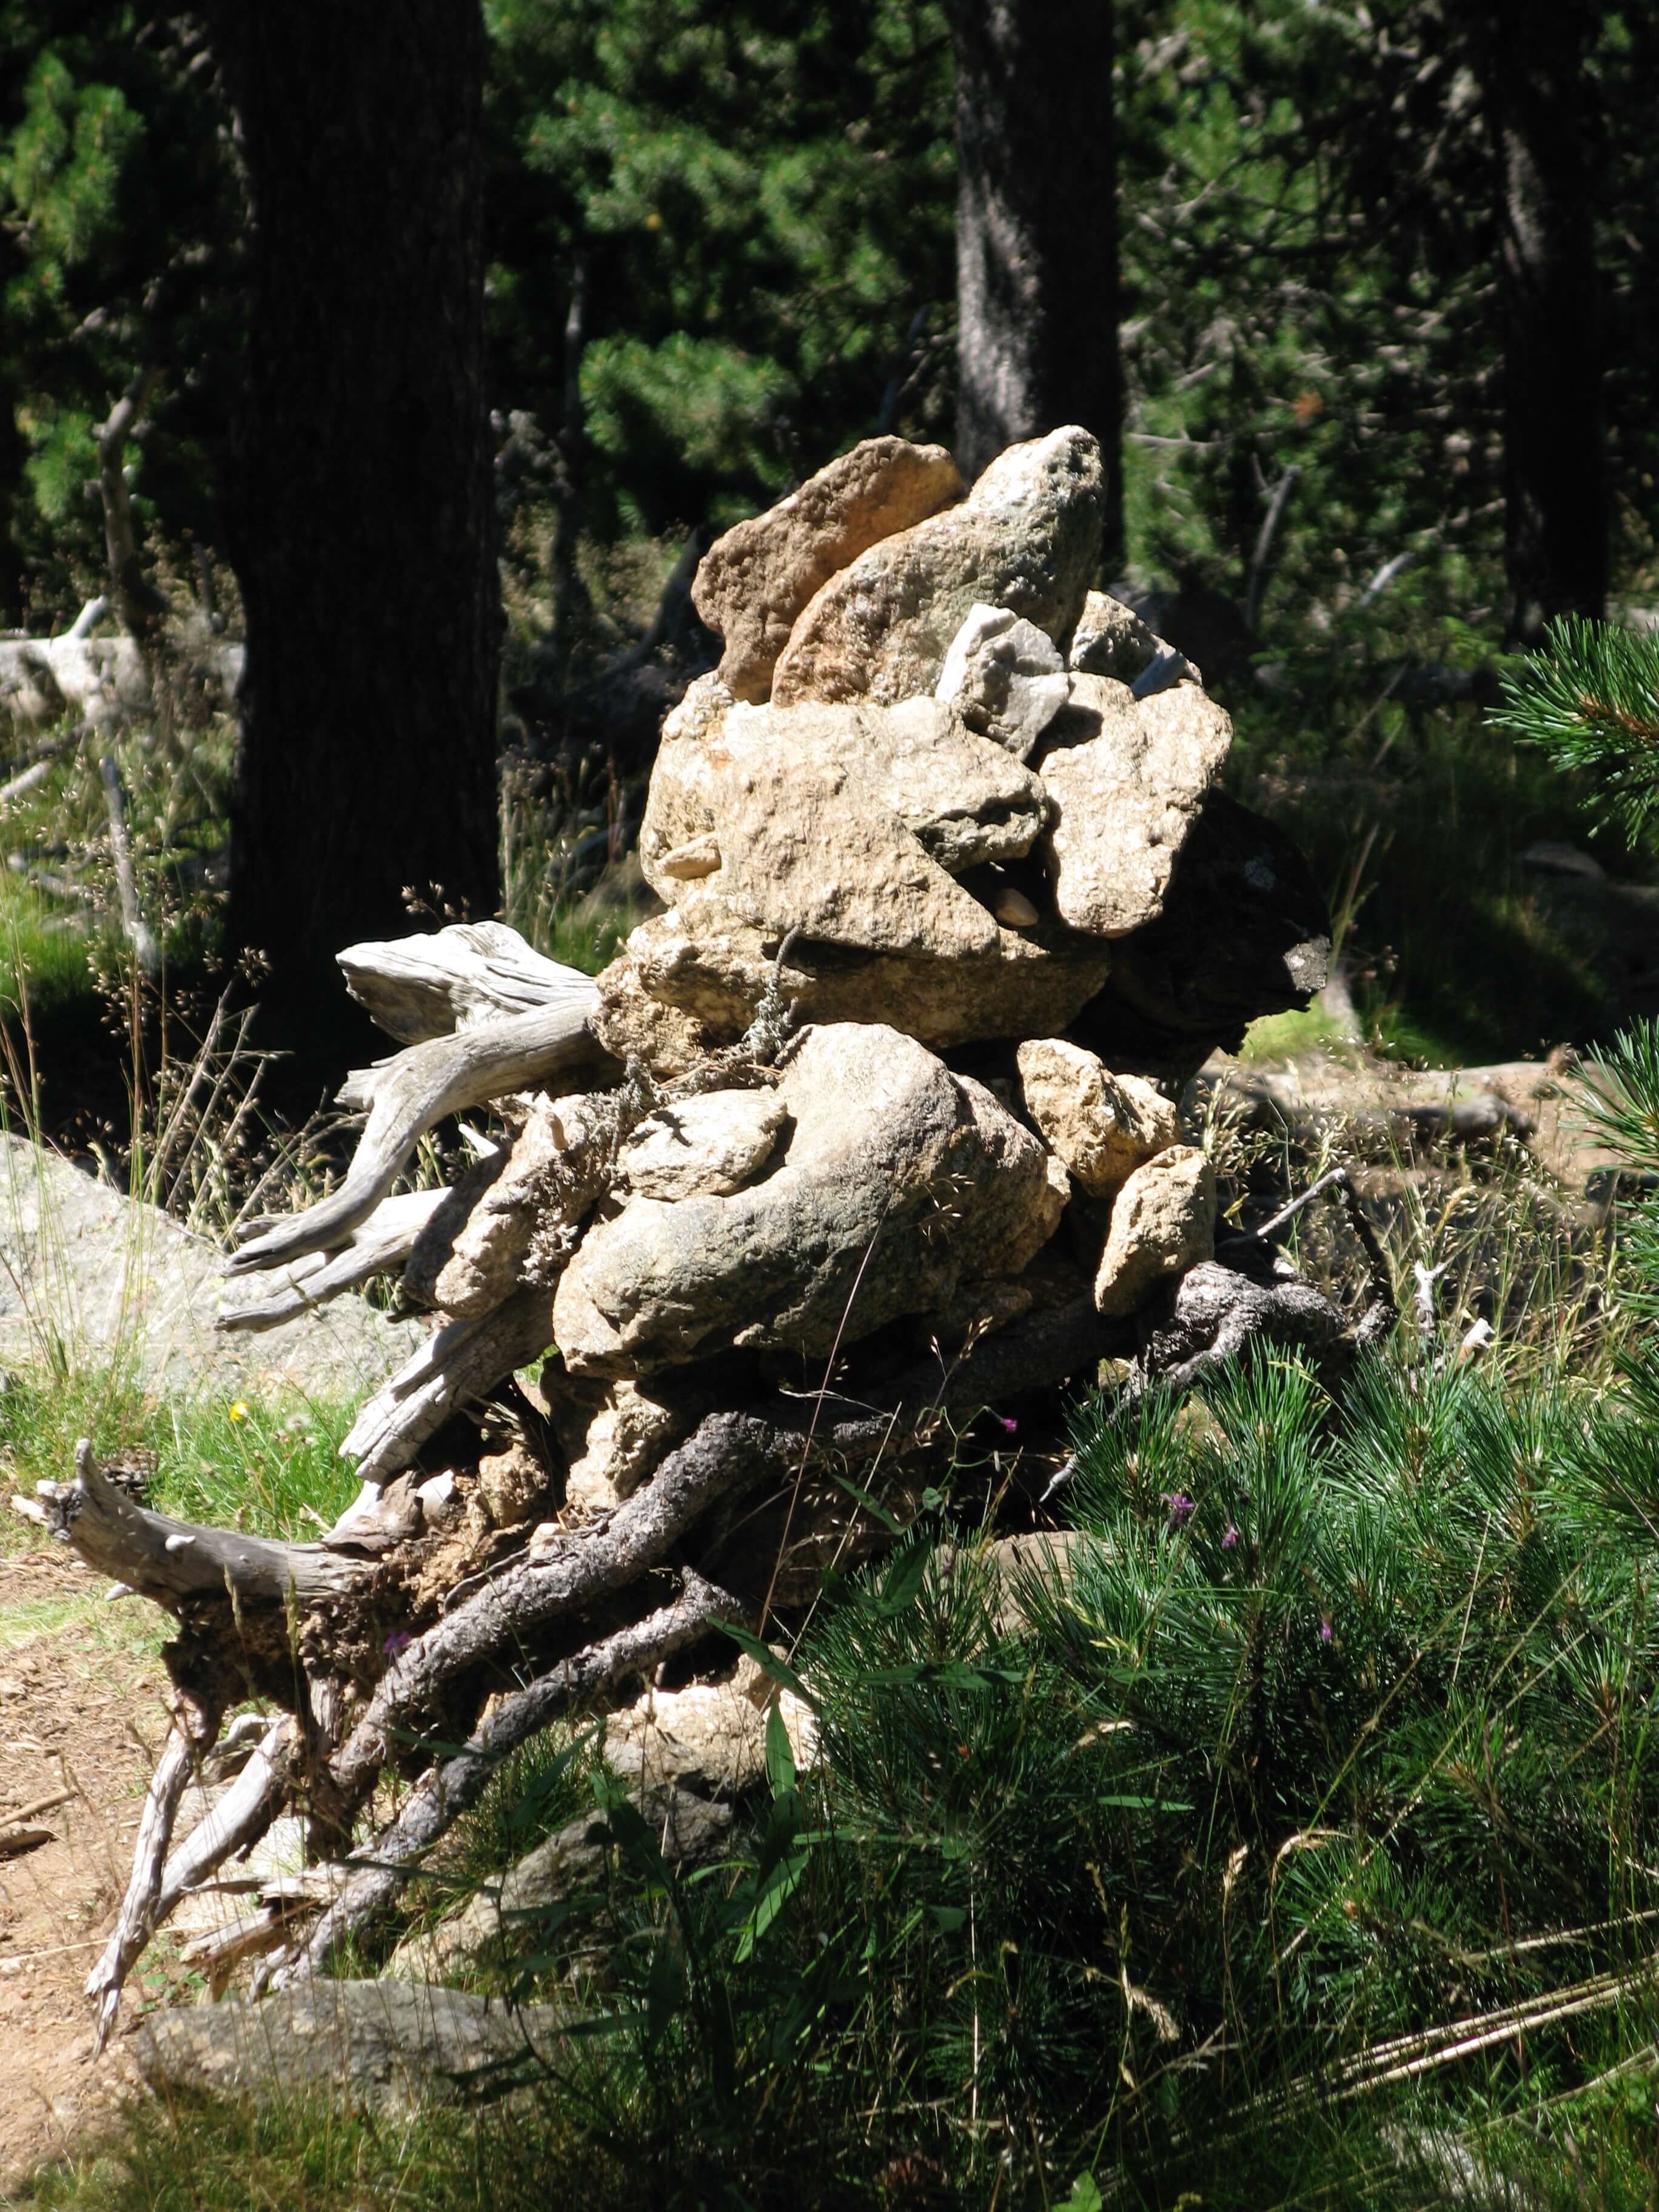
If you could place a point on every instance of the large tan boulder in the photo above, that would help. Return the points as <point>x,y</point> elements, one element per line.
<point>1125,777</point>
<point>844,822</point>
<point>1026,538</point>
<point>693,978</point>
<point>1162,1223</point>
<point>898,1181</point>
<point>1103,1126</point>
<point>751,584</point>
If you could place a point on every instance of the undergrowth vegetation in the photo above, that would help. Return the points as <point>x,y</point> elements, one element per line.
<point>1285,1835</point>
<point>270,1466</point>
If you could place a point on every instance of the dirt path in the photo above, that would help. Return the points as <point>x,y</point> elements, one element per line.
<point>81,1694</point>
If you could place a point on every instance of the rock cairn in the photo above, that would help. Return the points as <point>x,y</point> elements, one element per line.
<point>871,1129</point>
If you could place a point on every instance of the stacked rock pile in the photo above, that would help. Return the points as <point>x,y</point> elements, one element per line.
<point>874,1124</point>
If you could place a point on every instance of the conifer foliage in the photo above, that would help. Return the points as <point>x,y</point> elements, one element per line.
<point>1294,1834</point>
<point>1591,700</point>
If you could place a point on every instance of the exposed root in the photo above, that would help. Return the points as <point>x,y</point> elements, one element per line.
<point>195,1726</point>
<point>453,1785</point>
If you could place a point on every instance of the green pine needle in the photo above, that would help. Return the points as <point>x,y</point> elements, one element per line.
<point>1591,701</point>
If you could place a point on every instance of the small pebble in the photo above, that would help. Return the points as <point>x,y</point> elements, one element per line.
<point>1014,910</point>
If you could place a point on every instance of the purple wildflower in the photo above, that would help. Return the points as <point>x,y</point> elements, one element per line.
<point>1012,1426</point>
<point>1229,1538</point>
<point>1325,1631</point>
<point>1182,1508</point>
<point>400,1640</point>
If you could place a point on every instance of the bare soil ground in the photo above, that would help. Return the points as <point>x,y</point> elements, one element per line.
<point>81,1702</point>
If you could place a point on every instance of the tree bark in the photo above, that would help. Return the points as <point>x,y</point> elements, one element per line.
<point>359,507</point>
<point>1036,231</point>
<point>1539,105</point>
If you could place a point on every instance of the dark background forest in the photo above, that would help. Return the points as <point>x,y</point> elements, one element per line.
<point>1361,298</point>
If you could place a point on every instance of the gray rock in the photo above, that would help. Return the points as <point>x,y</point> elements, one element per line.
<point>898,1181</point>
<point>1112,640</point>
<point>752,584</point>
<point>1005,679</point>
<point>1103,1126</point>
<point>1162,1223</point>
<point>383,2047</point>
<point>1125,777</point>
<point>709,1735</point>
<point>1026,538</point>
<point>613,1434</point>
<point>101,1279</point>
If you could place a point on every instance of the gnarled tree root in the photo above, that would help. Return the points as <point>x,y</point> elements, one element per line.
<point>241,1597</point>
<point>455,1784</point>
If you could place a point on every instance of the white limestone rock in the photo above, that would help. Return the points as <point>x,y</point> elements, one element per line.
<point>705,1147</point>
<point>1126,778</point>
<point>1026,538</point>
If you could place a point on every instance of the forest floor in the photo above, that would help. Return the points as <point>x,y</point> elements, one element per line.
<point>81,1708</point>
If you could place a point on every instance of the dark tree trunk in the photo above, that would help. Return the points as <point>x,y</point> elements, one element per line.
<point>1036,230</point>
<point>359,502</point>
<point>1539,105</point>
<point>12,452</point>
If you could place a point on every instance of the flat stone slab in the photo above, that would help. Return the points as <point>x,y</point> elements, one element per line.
<point>101,1279</point>
<point>384,2046</point>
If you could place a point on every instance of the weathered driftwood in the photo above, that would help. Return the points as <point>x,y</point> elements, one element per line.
<point>458,1364</point>
<point>237,1821</point>
<point>412,1092</point>
<point>196,1722</point>
<point>174,1562</point>
<point>454,1783</point>
<point>470,975</point>
<point>379,1246</point>
<point>527,1221</point>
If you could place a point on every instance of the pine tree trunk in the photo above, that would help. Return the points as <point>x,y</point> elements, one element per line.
<point>13,453</point>
<point>359,514</point>
<point>1557,515</point>
<point>1036,230</point>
